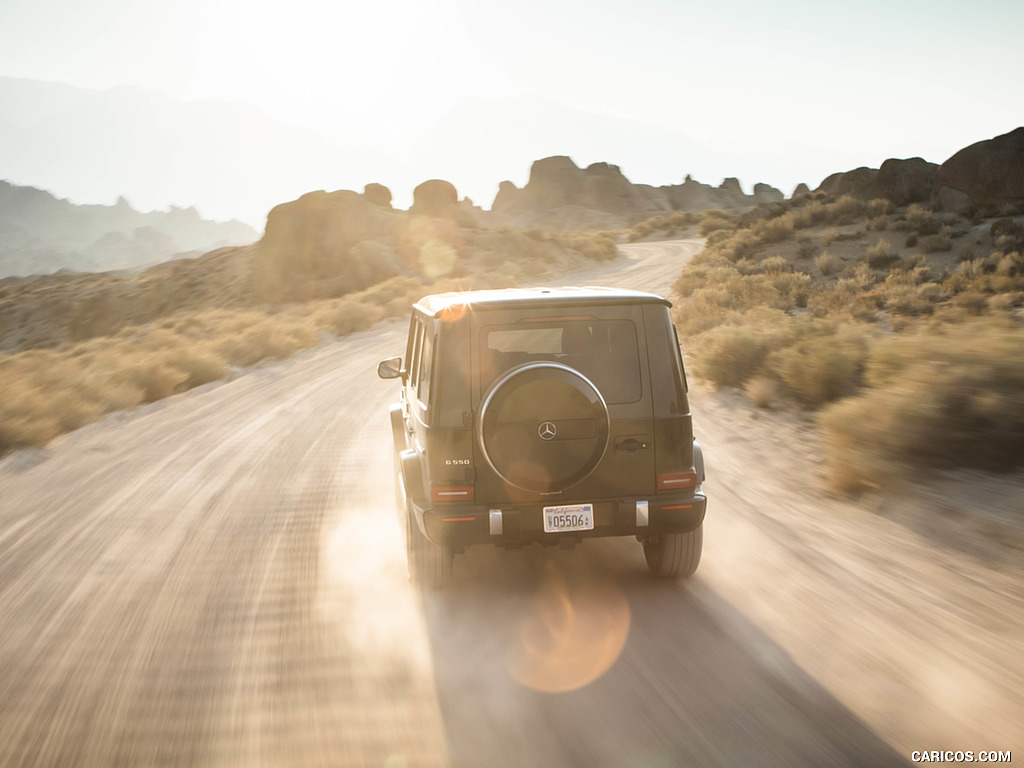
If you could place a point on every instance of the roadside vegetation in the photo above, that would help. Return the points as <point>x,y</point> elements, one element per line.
<point>901,328</point>
<point>128,351</point>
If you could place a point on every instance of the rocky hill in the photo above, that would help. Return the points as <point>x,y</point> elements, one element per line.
<point>989,172</point>
<point>322,246</point>
<point>40,234</point>
<point>560,195</point>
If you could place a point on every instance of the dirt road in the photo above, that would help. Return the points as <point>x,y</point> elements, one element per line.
<point>219,580</point>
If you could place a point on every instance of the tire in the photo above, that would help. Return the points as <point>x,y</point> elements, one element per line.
<point>675,555</point>
<point>430,564</point>
<point>543,427</point>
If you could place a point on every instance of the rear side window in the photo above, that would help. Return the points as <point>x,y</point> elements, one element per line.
<point>605,351</point>
<point>426,367</point>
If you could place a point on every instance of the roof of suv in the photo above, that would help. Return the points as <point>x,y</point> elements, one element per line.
<point>506,298</point>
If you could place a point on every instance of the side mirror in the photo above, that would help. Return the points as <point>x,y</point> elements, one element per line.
<point>390,368</point>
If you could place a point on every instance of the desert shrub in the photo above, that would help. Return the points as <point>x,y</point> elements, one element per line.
<point>716,221</point>
<point>820,369</point>
<point>935,243</point>
<point>971,301</point>
<point>199,366</point>
<point>942,397</point>
<point>742,243</point>
<point>762,391</point>
<point>827,263</point>
<point>845,210</point>
<point>806,247</point>
<point>599,246</point>
<point>729,355</point>
<point>349,316</point>
<point>881,255</point>
<point>879,223</point>
<point>1005,302</point>
<point>1006,227</point>
<point>774,230</point>
<point>809,215</point>
<point>917,215</point>
<point>880,206</point>
<point>154,376</point>
<point>775,264</point>
<point>1012,264</point>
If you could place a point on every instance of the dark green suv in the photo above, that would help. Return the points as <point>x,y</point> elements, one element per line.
<point>546,415</point>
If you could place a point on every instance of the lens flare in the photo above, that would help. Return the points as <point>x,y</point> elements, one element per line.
<point>437,258</point>
<point>573,635</point>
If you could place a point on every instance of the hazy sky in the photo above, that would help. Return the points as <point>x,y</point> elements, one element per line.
<point>812,87</point>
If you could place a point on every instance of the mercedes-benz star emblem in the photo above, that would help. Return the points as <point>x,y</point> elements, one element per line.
<point>547,431</point>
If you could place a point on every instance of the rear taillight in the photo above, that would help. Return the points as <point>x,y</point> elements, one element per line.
<point>673,481</point>
<point>451,493</point>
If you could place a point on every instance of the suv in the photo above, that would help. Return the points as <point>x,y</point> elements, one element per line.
<point>544,415</point>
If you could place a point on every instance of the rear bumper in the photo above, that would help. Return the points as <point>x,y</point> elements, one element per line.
<point>462,525</point>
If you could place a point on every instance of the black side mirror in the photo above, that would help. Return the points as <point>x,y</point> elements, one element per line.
<point>390,368</point>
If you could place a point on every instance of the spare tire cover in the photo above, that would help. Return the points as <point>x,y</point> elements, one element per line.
<point>543,427</point>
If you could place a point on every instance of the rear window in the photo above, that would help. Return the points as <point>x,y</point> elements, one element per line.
<point>605,351</point>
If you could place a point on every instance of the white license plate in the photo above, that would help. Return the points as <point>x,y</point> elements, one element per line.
<point>574,517</point>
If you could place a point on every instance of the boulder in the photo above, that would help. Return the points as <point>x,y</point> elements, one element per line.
<point>989,171</point>
<point>435,197</point>
<point>309,239</point>
<point>949,199</point>
<point>766,193</point>
<point>508,195</point>
<point>377,194</point>
<point>801,189</point>
<point>906,181</point>
<point>859,183</point>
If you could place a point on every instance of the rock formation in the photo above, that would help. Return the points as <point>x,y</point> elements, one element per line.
<point>906,181</point>
<point>859,183</point>
<point>990,171</point>
<point>434,197</point>
<point>377,194</point>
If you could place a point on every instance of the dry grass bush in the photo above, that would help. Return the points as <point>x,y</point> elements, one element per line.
<point>774,265</point>
<point>809,215</point>
<point>716,221</point>
<point>935,243</point>
<point>666,225</point>
<point>821,368</point>
<point>826,263</point>
<point>599,246</point>
<point>942,397</point>
<point>845,210</point>
<point>879,223</point>
<point>763,392</point>
<point>880,206</point>
<point>775,230</point>
<point>917,215</point>
<point>806,247</point>
<point>729,355</point>
<point>881,255</point>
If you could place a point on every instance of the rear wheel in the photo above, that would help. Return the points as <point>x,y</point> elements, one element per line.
<point>675,554</point>
<point>430,564</point>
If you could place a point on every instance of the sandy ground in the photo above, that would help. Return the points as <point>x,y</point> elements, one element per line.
<point>218,579</point>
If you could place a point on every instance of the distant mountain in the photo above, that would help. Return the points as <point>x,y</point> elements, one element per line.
<point>40,233</point>
<point>227,158</point>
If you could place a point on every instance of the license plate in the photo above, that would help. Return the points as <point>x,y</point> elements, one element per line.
<point>573,517</point>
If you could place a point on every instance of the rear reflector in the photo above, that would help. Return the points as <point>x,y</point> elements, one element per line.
<point>675,480</point>
<point>679,506</point>
<point>457,519</point>
<point>451,493</point>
